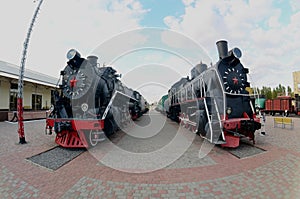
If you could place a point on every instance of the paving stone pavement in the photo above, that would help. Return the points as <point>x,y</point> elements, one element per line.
<point>262,182</point>
<point>272,174</point>
<point>12,187</point>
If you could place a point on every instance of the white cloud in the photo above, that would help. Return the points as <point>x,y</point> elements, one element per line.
<point>172,22</point>
<point>269,47</point>
<point>273,21</point>
<point>62,25</point>
<point>188,2</point>
<point>295,5</point>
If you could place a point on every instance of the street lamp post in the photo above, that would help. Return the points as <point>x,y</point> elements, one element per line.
<point>21,76</point>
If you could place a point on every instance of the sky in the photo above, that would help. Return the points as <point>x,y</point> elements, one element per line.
<point>267,32</point>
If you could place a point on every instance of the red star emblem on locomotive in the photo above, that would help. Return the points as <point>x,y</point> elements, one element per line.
<point>235,80</point>
<point>73,82</point>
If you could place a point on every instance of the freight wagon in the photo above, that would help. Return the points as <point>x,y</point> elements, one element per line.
<point>284,105</point>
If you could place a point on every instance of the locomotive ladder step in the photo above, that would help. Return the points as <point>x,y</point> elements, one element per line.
<point>215,139</point>
<point>98,140</point>
<point>99,133</point>
<point>220,142</point>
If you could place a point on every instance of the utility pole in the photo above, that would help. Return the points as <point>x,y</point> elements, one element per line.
<point>21,76</point>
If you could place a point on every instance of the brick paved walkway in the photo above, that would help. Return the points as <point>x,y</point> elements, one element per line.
<point>262,182</point>
<point>272,174</point>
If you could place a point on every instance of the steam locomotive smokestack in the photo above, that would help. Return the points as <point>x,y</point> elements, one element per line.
<point>222,49</point>
<point>92,59</point>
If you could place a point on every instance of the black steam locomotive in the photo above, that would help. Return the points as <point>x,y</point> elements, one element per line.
<point>214,102</point>
<point>91,103</point>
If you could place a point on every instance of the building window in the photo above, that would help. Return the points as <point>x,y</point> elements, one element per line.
<point>13,97</point>
<point>36,102</point>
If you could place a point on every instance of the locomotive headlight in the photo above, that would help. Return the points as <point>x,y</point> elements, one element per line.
<point>72,53</point>
<point>74,58</point>
<point>237,52</point>
<point>84,107</point>
<point>228,110</point>
<point>257,110</point>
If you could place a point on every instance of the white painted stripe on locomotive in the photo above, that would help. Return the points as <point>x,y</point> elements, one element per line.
<point>109,105</point>
<point>126,95</point>
<point>111,101</point>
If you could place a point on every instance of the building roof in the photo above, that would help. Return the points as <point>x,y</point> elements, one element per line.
<point>12,71</point>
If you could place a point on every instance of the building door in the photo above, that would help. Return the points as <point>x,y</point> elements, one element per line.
<point>36,102</point>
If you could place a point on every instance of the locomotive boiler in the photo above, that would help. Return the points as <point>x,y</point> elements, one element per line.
<point>91,103</point>
<point>214,102</point>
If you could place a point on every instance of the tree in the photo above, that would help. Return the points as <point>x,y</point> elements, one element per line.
<point>280,90</point>
<point>267,92</point>
<point>290,93</point>
<point>274,93</point>
<point>270,93</point>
